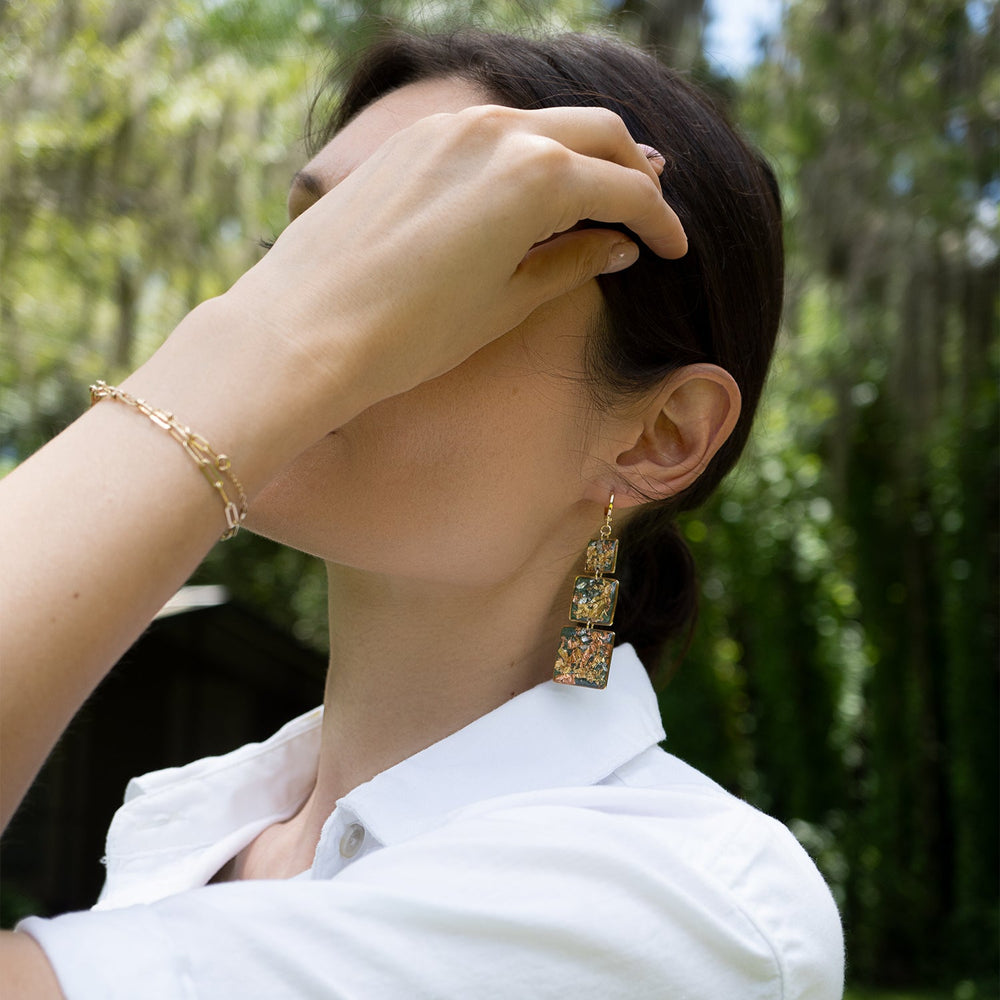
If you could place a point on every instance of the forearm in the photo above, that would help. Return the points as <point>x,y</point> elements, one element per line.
<point>25,972</point>
<point>99,528</point>
<point>102,525</point>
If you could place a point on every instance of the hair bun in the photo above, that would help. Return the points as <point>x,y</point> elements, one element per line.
<point>659,585</point>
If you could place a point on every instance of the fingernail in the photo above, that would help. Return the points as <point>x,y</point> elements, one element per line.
<point>655,157</point>
<point>622,255</point>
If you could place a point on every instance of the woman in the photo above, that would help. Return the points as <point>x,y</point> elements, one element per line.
<point>422,384</point>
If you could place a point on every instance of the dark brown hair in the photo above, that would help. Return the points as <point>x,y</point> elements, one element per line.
<point>720,303</point>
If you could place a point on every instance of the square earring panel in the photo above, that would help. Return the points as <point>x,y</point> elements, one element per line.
<point>584,657</point>
<point>602,555</point>
<point>594,600</point>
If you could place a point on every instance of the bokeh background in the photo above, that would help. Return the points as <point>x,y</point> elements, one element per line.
<point>844,675</point>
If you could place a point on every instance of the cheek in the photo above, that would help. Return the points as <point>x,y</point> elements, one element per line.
<point>461,479</point>
<point>461,492</point>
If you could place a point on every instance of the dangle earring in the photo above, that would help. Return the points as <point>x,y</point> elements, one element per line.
<point>584,656</point>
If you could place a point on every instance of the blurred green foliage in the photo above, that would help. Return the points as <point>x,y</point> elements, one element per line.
<point>849,647</point>
<point>844,674</point>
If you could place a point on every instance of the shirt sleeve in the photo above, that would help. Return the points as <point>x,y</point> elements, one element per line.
<point>539,902</point>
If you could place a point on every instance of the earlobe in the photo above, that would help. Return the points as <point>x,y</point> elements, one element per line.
<point>682,428</point>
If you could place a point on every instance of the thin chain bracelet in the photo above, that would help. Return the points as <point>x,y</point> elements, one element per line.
<point>213,467</point>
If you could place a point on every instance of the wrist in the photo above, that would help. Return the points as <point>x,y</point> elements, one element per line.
<point>233,384</point>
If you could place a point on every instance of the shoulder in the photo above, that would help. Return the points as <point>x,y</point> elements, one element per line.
<point>694,885</point>
<point>652,884</point>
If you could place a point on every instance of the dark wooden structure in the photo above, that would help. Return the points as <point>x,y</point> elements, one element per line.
<point>200,682</point>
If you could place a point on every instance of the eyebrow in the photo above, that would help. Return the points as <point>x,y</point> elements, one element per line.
<point>308,181</point>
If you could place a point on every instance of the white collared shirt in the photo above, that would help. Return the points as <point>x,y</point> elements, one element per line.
<point>549,849</point>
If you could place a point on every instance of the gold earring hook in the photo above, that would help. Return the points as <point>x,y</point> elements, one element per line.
<point>606,527</point>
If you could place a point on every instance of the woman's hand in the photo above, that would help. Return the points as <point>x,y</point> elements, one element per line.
<point>423,253</point>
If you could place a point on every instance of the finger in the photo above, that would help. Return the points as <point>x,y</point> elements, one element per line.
<point>567,261</point>
<point>601,138</point>
<point>595,132</point>
<point>581,164</point>
<point>656,159</point>
<point>603,146</point>
<point>604,192</point>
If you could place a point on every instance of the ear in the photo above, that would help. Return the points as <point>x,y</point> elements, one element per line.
<point>679,431</point>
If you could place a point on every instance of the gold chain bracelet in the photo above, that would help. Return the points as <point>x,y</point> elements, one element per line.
<point>213,467</point>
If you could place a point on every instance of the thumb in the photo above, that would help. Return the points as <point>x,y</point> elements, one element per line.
<point>567,261</point>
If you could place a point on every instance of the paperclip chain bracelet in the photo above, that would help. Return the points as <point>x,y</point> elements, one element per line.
<point>215,468</point>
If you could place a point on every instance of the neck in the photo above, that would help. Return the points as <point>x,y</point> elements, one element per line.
<point>412,662</point>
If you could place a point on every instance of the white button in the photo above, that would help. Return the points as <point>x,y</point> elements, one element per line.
<point>353,838</point>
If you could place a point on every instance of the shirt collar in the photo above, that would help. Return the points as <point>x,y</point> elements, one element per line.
<point>178,826</point>
<point>551,736</point>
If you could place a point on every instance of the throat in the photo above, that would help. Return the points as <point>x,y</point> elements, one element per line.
<point>281,851</point>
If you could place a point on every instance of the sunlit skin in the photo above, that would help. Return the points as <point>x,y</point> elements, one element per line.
<point>460,480</point>
<point>453,517</point>
<point>449,572</point>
